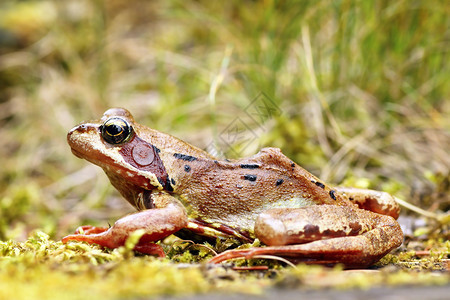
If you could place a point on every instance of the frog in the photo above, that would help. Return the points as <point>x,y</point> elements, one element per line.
<point>180,189</point>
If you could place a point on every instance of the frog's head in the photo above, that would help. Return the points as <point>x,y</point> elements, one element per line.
<point>132,164</point>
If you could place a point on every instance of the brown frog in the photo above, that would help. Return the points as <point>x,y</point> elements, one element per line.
<point>180,189</point>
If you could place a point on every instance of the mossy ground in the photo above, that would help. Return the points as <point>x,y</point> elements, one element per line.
<point>354,91</point>
<point>42,268</point>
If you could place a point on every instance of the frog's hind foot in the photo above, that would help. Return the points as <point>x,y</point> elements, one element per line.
<point>323,234</point>
<point>294,256</point>
<point>353,252</point>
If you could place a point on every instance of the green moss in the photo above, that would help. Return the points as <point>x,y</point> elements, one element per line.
<point>40,267</point>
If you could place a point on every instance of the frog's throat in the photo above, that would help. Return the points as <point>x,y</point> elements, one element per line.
<point>137,196</point>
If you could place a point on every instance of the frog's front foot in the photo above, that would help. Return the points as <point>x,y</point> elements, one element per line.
<point>156,224</point>
<point>323,234</point>
<point>94,235</point>
<point>105,237</point>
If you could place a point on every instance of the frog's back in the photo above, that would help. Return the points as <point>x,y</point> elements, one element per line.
<point>236,192</point>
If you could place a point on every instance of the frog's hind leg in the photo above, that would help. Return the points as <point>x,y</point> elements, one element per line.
<point>323,234</point>
<point>375,201</point>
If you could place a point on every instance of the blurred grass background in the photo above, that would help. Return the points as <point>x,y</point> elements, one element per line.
<point>362,86</point>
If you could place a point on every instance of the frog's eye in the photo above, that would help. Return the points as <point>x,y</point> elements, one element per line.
<point>116,131</point>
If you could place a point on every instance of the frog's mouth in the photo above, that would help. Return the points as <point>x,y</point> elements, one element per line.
<point>76,153</point>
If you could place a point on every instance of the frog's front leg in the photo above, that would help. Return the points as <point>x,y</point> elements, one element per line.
<point>157,224</point>
<point>323,234</point>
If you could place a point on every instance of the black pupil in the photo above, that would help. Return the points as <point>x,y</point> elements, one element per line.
<point>114,129</point>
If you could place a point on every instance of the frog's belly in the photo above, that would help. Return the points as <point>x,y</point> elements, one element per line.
<point>246,219</point>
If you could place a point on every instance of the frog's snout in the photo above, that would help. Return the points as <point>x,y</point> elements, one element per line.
<point>81,137</point>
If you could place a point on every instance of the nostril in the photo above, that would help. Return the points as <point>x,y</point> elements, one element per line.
<point>79,129</point>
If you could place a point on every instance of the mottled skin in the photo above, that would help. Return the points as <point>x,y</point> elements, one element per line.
<point>181,189</point>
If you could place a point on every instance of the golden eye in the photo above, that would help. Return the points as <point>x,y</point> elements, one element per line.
<point>116,131</point>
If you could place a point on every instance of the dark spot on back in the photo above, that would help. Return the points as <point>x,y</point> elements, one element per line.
<point>184,157</point>
<point>172,181</point>
<point>292,164</point>
<point>187,168</point>
<point>249,166</point>
<point>279,181</point>
<point>250,177</point>
<point>156,149</point>
<point>319,184</point>
<point>333,195</point>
